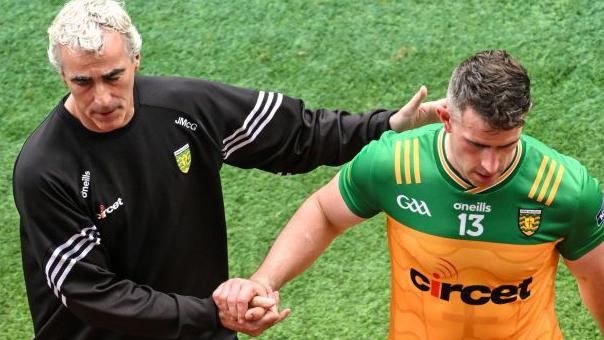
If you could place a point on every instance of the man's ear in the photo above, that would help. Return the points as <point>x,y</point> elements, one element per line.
<point>445,117</point>
<point>137,61</point>
<point>62,74</point>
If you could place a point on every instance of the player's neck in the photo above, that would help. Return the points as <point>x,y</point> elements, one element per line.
<point>450,156</point>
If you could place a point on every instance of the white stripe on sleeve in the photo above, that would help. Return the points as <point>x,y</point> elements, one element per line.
<point>249,117</point>
<point>59,249</point>
<point>253,132</point>
<point>69,253</point>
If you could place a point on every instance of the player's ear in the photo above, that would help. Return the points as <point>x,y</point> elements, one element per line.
<point>445,117</point>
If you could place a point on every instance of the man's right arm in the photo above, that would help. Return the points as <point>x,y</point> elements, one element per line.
<point>64,253</point>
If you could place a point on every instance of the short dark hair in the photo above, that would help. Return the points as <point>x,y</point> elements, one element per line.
<point>494,85</point>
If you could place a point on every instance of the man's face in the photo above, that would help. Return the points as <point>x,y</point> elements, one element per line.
<point>101,84</point>
<point>479,152</point>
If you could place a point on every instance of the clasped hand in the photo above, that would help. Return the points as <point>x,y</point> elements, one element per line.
<point>247,306</point>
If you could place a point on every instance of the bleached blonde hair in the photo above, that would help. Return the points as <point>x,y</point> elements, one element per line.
<point>80,25</point>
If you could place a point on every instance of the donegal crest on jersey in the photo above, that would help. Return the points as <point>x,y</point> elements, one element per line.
<point>529,221</point>
<point>183,158</point>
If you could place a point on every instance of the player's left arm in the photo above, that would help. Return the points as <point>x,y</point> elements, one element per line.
<point>589,272</point>
<point>583,246</point>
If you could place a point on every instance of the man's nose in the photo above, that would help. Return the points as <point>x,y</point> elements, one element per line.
<point>102,96</point>
<point>490,161</point>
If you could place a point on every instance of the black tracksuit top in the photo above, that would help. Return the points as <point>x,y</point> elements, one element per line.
<point>123,233</point>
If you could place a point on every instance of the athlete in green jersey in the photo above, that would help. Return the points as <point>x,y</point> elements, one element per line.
<point>473,262</point>
<point>477,216</point>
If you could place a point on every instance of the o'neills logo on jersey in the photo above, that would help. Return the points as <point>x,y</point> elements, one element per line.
<point>104,211</point>
<point>85,183</point>
<point>184,122</point>
<point>477,207</point>
<point>471,294</point>
<point>413,205</point>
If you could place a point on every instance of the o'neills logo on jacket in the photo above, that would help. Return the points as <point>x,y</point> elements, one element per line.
<point>85,183</point>
<point>104,211</point>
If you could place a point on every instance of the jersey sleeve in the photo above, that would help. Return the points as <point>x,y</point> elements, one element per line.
<point>277,133</point>
<point>69,254</point>
<point>587,230</point>
<point>358,183</point>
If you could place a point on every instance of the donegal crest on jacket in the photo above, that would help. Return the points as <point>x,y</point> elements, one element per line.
<point>529,220</point>
<point>183,158</point>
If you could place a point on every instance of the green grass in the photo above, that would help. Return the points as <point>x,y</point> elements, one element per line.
<point>337,54</point>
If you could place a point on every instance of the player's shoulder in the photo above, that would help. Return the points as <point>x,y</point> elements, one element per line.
<point>393,146</point>
<point>543,156</point>
<point>556,175</point>
<point>424,135</point>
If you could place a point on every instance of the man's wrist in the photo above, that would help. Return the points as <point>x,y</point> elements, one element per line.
<point>265,281</point>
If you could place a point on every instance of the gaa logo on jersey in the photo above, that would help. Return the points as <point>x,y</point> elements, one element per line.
<point>413,205</point>
<point>529,221</point>
<point>183,158</point>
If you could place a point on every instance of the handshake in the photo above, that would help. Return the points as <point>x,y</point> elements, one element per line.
<point>248,306</point>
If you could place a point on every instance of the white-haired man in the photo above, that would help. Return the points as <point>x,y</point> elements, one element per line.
<point>122,222</point>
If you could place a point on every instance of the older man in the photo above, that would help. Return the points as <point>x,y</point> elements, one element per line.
<point>122,221</point>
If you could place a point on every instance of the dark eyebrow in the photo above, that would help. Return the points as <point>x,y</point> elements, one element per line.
<point>114,72</point>
<point>108,75</point>
<point>80,78</point>
<point>499,147</point>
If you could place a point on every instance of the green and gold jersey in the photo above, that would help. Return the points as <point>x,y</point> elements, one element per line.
<point>474,262</point>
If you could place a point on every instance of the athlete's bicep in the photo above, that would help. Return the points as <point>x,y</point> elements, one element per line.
<point>589,265</point>
<point>586,231</point>
<point>589,272</point>
<point>334,207</point>
<point>358,181</point>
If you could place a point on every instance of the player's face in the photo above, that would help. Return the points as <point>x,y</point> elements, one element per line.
<point>101,84</point>
<point>477,151</point>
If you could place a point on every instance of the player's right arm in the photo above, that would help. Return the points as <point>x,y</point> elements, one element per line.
<point>320,219</point>
<point>348,199</point>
